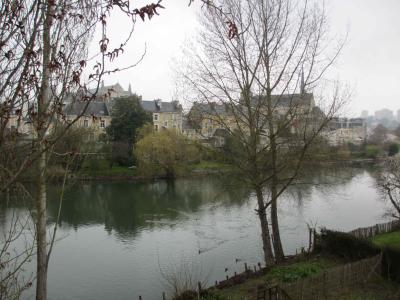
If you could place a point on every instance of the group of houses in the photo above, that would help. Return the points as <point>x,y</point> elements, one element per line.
<point>203,121</point>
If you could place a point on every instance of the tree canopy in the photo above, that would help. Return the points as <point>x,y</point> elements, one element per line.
<point>166,153</point>
<point>128,117</point>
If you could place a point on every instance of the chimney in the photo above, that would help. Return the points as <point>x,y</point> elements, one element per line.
<point>175,103</point>
<point>158,103</point>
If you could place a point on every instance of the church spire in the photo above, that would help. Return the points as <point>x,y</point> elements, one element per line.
<point>302,84</point>
<point>130,89</point>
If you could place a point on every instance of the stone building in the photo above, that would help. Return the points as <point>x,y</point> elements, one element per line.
<point>166,115</point>
<point>96,117</point>
<point>346,130</point>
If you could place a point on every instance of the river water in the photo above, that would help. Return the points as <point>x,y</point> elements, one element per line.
<point>119,240</point>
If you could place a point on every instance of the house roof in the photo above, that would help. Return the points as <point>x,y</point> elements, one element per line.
<point>286,100</point>
<point>161,106</point>
<point>96,108</point>
<point>210,108</point>
<point>290,100</point>
<point>115,88</point>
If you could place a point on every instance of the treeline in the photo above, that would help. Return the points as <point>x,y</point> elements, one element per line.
<point>130,146</point>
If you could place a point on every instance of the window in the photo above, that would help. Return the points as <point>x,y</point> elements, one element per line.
<point>166,124</point>
<point>156,127</point>
<point>155,117</point>
<point>85,123</point>
<point>102,123</point>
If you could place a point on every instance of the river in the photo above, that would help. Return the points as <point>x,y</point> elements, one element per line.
<point>119,240</point>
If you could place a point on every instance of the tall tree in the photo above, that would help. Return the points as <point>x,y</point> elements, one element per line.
<point>128,116</point>
<point>43,62</point>
<point>251,79</point>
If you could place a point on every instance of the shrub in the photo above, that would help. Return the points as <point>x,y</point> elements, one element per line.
<point>393,149</point>
<point>372,151</point>
<point>166,153</point>
<point>345,245</point>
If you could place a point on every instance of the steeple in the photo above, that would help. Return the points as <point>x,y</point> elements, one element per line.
<point>302,84</point>
<point>130,89</point>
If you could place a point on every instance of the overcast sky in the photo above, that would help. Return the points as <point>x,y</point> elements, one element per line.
<point>370,62</point>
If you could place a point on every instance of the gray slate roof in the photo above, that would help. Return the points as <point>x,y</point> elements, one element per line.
<point>210,108</point>
<point>113,89</point>
<point>151,106</point>
<point>95,108</point>
<point>286,100</point>
<point>290,100</point>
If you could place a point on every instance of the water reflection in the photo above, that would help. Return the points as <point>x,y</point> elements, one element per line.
<point>115,234</point>
<point>127,207</point>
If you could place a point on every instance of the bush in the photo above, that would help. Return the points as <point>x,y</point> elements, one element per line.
<point>205,295</point>
<point>345,245</point>
<point>372,151</point>
<point>393,149</point>
<point>166,153</point>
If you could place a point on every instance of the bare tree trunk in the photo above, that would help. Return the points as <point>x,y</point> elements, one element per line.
<point>277,244</point>
<point>43,101</point>
<point>41,276</point>
<point>278,249</point>
<point>265,235</point>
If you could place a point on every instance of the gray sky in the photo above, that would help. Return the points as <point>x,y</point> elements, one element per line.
<point>370,62</point>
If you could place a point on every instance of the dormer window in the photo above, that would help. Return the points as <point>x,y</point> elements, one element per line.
<point>86,123</point>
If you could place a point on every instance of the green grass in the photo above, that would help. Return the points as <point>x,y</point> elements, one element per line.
<point>391,239</point>
<point>378,289</point>
<point>102,168</point>
<point>286,273</point>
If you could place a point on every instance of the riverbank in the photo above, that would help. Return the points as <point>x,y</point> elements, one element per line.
<point>104,172</point>
<point>327,261</point>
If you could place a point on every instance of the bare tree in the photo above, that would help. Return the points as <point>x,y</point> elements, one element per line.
<point>247,84</point>
<point>43,62</point>
<point>388,183</point>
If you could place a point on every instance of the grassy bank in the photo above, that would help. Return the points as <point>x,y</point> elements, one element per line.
<point>391,239</point>
<point>103,170</point>
<point>284,273</point>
